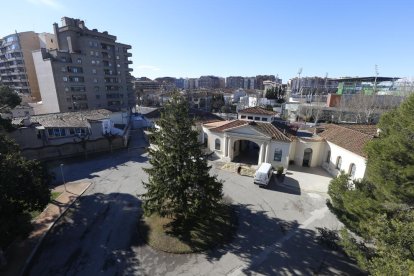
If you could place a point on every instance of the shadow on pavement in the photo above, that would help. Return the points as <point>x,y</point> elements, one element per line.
<point>272,246</point>
<point>284,184</point>
<point>77,168</point>
<point>96,236</point>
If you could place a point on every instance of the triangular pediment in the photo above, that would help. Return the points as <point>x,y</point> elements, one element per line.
<point>247,130</point>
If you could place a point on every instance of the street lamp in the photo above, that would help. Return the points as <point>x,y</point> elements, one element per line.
<point>63,177</point>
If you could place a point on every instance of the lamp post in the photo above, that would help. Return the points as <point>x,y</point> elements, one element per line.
<point>63,177</point>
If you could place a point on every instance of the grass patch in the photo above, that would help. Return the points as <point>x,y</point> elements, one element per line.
<point>246,170</point>
<point>193,236</point>
<point>53,196</point>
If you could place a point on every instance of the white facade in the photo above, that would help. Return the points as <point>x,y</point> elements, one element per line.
<point>227,145</point>
<point>336,159</point>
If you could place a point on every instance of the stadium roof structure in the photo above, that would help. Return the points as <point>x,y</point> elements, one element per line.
<point>368,79</point>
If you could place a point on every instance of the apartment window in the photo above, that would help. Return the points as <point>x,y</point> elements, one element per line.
<point>278,155</point>
<point>338,162</point>
<point>79,60</point>
<point>117,57</point>
<point>250,117</point>
<point>65,78</point>
<point>96,54</point>
<point>93,71</point>
<point>243,116</point>
<point>97,62</point>
<point>93,61</point>
<point>92,53</point>
<point>257,118</point>
<point>63,69</point>
<point>90,43</point>
<point>66,89</point>
<point>56,132</point>
<point>264,119</point>
<point>118,65</point>
<point>95,80</point>
<point>96,88</point>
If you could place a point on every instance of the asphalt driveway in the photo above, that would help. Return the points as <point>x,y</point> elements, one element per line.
<point>276,233</point>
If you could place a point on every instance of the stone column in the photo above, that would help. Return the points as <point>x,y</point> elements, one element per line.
<point>267,153</point>
<point>225,146</point>
<point>229,148</point>
<point>261,154</point>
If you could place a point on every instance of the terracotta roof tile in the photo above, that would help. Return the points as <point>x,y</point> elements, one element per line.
<point>347,138</point>
<point>257,110</point>
<point>230,125</point>
<point>271,130</point>
<point>265,128</point>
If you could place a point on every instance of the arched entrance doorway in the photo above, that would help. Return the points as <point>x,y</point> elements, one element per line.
<point>307,157</point>
<point>246,152</point>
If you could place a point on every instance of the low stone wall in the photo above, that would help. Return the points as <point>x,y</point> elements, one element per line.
<point>73,149</point>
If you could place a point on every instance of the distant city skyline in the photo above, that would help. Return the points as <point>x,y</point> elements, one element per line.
<point>241,38</point>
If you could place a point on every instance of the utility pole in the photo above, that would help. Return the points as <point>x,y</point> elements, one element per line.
<point>375,80</point>
<point>299,73</point>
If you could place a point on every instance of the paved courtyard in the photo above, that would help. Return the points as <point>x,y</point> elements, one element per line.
<point>276,233</point>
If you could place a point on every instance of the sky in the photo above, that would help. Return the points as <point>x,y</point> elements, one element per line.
<point>190,38</point>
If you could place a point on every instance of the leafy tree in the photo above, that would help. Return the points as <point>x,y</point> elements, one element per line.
<point>217,102</point>
<point>380,209</point>
<point>8,97</point>
<point>179,185</point>
<point>23,189</point>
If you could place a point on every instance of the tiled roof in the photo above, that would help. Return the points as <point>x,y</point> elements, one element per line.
<point>68,119</point>
<point>265,128</point>
<point>367,129</point>
<point>347,138</point>
<point>198,115</point>
<point>257,110</point>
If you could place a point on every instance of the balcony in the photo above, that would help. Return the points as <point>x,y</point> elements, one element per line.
<point>129,54</point>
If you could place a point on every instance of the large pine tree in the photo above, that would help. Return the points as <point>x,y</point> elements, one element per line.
<point>381,208</point>
<point>179,184</point>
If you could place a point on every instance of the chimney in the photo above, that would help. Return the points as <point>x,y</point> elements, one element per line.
<point>56,31</point>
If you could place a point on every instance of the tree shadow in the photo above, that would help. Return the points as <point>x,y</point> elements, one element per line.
<point>94,237</point>
<point>271,246</point>
<point>78,168</point>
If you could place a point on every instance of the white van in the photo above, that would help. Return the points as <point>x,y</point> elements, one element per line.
<point>263,174</point>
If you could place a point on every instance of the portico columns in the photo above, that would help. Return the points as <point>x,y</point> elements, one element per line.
<point>225,146</point>
<point>261,153</point>
<point>267,153</point>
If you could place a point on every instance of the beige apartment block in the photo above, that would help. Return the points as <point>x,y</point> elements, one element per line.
<point>87,70</point>
<point>16,62</point>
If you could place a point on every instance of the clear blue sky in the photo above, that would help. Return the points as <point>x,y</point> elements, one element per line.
<point>189,38</point>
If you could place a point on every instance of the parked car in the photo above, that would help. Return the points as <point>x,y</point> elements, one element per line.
<point>263,174</point>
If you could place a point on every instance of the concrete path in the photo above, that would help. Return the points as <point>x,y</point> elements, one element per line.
<point>19,254</point>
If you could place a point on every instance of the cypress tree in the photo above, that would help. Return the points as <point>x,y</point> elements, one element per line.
<point>381,207</point>
<point>179,183</point>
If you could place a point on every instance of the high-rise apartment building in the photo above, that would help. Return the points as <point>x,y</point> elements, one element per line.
<point>234,82</point>
<point>261,78</point>
<point>209,82</point>
<point>87,70</point>
<point>16,61</point>
<point>250,83</point>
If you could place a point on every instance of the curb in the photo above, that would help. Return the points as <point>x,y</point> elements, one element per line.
<point>38,244</point>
